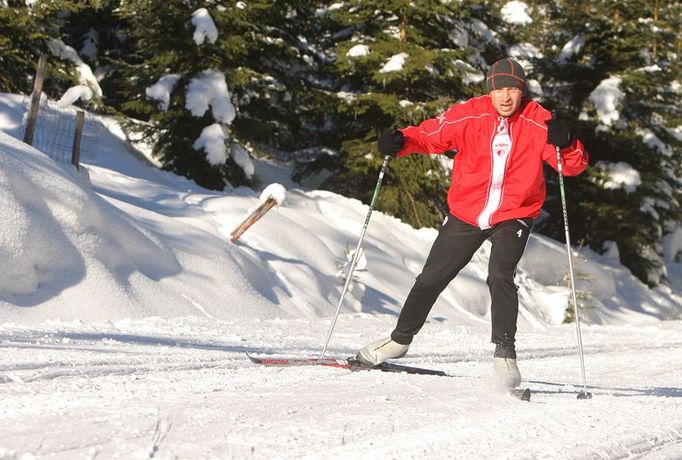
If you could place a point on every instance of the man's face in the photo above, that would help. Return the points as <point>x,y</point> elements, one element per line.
<point>506,100</point>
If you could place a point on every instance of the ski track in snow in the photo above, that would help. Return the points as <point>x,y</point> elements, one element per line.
<point>183,388</point>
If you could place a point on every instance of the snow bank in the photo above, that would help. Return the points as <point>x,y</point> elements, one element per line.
<point>74,253</point>
<point>141,242</point>
<point>63,232</point>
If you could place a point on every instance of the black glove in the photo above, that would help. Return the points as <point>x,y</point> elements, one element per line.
<point>390,142</point>
<point>558,132</point>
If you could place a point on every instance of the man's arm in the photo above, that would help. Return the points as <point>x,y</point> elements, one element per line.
<point>574,158</point>
<point>436,135</point>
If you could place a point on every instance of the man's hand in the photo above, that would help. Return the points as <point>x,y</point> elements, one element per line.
<point>558,132</point>
<point>390,142</point>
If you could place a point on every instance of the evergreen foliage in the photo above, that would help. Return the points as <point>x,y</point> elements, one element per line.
<point>24,33</point>
<point>94,31</point>
<point>368,97</point>
<point>628,41</point>
<point>20,42</point>
<point>160,35</point>
<point>263,55</point>
<point>308,81</point>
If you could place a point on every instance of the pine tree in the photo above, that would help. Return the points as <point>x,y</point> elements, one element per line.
<point>368,96</point>
<point>24,34</point>
<point>94,31</point>
<point>264,60</point>
<point>161,35</point>
<point>635,43</point>
<point>20,44</point>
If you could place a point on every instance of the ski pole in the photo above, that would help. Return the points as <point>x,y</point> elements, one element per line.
<point>583,394</point>
<point>356,255</point>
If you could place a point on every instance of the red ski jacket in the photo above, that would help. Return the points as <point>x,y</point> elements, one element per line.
<point>497,172</point>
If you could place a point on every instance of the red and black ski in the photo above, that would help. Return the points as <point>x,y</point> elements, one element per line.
<point>353,364</point>
<point>344,363</point>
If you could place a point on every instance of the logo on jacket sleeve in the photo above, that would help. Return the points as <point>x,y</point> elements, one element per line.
<point>441,118</point>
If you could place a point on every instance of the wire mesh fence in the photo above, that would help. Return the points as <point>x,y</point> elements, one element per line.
<point>55,128</point>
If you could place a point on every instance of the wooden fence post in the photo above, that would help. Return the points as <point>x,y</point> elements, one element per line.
<point>35,100</point>
<point>252,218</point>
<point>78,132</point>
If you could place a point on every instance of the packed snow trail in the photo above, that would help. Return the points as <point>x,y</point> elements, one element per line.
<point>184,388</point>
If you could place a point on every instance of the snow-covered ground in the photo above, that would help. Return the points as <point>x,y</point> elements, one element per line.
<point>126,313</point>
<point>183,388</point>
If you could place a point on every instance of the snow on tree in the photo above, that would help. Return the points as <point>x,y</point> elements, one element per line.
<point>204,27</point>
<point>263,53</point>
<point>186,51</point>
<point>162,89</point>
<point>570,49</point>
<point>209,89</point>
<point>64,51</point>
<point>606,98</point>
<point>414,71</point>
<point>75,93</point>
<point>242,158</point>
<point>358,51</point>
<point>89,48</point>
<point>516,12</point>
<point>395,64</point>
<point>25,33</point>
<point>212,141</point>
<point>620,175</point>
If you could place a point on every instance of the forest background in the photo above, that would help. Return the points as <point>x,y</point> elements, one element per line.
<point>313,83</point>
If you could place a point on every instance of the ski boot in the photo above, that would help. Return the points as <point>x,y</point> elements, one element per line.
<point>380,351</point>
<point>506,370</point>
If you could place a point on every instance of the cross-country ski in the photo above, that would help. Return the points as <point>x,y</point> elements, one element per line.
<point>343,363</point>
<point>353,364</point>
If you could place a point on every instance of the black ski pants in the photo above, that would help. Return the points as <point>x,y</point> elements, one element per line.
<point>455,245</point>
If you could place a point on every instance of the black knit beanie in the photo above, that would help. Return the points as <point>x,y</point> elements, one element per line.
<point>505,73</point>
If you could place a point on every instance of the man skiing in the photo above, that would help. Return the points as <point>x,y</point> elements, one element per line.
<point>502,140</point>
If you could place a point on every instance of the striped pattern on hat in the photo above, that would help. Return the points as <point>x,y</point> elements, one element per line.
<point>505,73</point>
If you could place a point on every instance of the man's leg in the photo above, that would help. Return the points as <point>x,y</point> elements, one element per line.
<point>453,248</point>
<point>509,240</point>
